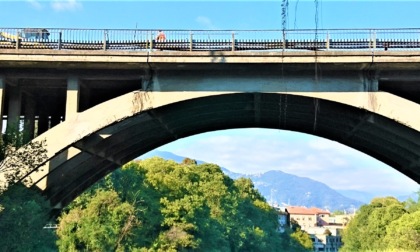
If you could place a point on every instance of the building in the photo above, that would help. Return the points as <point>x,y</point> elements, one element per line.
<point>283,218</point>
<point>308,217</point>
<point>324,229</point>
<point>325,238</point>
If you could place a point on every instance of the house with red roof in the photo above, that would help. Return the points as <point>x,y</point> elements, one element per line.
<point>308,217</point>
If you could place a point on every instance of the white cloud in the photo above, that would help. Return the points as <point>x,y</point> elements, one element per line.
<point>206,22</point>
<point>252,151</point>
<point>35,4</point>
<point>66,5</point>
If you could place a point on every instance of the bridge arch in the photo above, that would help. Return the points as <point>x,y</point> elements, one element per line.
<point>103,138</point>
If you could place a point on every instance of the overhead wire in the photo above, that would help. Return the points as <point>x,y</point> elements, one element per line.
<point>316,101</point>
<point>284,15</point>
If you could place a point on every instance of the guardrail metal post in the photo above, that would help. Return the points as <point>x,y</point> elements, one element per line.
<point>191,41</point>
<point>374,39</point>
<point>17,39</point>
<point>233,41</point>
<point>104,41</point>
<point>372,43</point>
<point>151,41</point>
<point>327,42</point>
<point>59,40</point>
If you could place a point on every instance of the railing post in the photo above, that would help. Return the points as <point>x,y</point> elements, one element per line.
<point>104,41</point>
<point>233,41</point>
<point>17,39</point>
<point>151,41</point>
<point>327,42</point>
<point>191,41</point>
<point>59,40</point>
<point>372,43</point>
<point>374,39</point>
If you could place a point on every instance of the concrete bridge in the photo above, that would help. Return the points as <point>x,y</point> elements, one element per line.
<point>98,109</point>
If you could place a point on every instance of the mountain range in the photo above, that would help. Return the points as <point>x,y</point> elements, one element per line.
<point>287,189</point>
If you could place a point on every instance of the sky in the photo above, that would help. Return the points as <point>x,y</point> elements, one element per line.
<point>246,150</point>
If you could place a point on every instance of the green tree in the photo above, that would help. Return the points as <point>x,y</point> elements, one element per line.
<point>367,229</point>
<point>177,207</point>
<point>23,211</point>
<point>106,224</point>
<point>302,238</point>
<point>411,205</point>
<point>403,234</point>
<point>338,212</point>
<point>327,232</point>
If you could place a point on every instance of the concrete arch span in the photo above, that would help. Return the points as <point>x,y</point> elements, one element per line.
<point>93,143</point>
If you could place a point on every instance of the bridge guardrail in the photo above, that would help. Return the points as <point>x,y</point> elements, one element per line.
<point>210,40</point>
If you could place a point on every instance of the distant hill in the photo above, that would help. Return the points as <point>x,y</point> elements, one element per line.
<point>413,196</point>
<point>284,188</point>
<point>367,198</point>
<point>287,189</point>
<point>357,195</point>
<point>165,155</point>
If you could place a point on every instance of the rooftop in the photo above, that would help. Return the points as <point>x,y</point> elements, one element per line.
<point>305,210</point>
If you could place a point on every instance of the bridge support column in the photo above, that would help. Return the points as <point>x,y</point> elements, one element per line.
<point>72,99</point>
<point>2,92</point>
<point>29,113</point>
<point>13,113</point>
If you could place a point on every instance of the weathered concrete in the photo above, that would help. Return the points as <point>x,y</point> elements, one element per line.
<point>365,100</point>
<point>14,111</point>
<point>72,98</point>
<point>133,59</point>
<point>97,131</point>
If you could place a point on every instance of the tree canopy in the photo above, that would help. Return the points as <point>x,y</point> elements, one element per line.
<point>385,224</point>
<point>23,211</point>
<point>160,205</point>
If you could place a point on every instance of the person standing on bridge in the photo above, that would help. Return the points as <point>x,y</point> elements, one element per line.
<point>161,36</point>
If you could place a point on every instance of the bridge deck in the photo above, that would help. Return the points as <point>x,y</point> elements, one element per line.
<point>213,40</point>
<point>216,45</point>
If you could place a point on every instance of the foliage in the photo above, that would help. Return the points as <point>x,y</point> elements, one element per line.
<point>106,224</point>
<point>172,207</point>
<point>24,214</point>
<point>20,161</point>
<point>338,212</point>
<point>23,211</point>
<point>302,238</point>
<point>404,234</point>
<point>412,205</point>
<point>327,232</point>
<point>19,157</point>
<point>382,225</point>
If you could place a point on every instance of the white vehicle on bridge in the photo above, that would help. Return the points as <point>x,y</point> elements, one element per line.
<point>27,34</point>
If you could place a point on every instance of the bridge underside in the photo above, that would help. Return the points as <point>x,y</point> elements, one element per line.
<point>85,161</point>
<point>101,110</point>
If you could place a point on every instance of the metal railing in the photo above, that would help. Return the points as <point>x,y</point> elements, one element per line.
<point>211,40</point>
